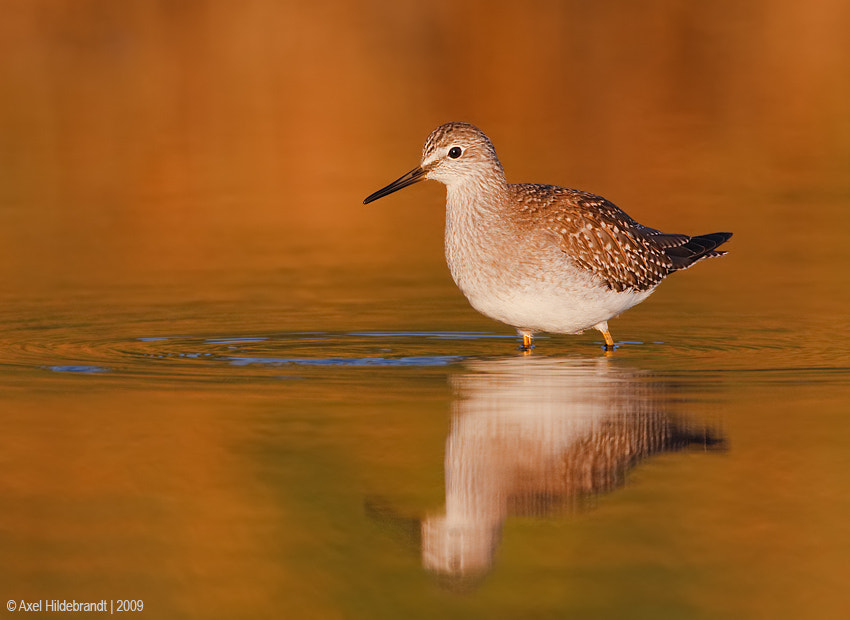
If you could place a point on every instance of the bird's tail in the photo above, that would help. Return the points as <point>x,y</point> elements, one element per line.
<point>696,249</point>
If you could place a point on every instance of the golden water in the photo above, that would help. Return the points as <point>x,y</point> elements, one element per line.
<point>228,389</point>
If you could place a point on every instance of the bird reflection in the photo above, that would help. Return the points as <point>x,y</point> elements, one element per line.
<point>530,436</point>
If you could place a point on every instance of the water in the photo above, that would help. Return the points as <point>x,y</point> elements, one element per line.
<point>227,389</point>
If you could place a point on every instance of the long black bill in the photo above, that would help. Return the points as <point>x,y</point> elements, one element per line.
<point>414,176</point>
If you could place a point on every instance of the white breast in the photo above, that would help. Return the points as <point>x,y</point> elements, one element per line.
<point>528,283</point>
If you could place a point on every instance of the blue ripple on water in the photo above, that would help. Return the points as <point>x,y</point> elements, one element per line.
<point>77,368</point>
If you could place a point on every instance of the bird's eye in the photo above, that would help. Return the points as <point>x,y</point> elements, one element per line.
<point>454,152</point>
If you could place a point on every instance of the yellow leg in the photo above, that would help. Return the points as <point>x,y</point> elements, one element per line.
<point>609,342</point>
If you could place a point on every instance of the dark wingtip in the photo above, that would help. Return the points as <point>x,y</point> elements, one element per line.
<point>697,248</point>
<point>711,240</point>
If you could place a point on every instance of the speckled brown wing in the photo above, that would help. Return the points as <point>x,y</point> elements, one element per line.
<point>601,238</point>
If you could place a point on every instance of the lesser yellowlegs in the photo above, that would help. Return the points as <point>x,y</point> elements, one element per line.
<point>542,258</point>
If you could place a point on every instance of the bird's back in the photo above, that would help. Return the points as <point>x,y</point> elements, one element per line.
<point>604,240</point>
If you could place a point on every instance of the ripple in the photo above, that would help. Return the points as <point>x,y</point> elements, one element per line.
<point>772,355</point>
<point>217,357</point>
<point>439,360</point>
<point>78,368</point>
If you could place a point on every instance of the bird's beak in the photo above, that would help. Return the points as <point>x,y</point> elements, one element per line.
<point>414,176</point>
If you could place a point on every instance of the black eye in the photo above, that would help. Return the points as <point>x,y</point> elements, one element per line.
<point>454,152</point>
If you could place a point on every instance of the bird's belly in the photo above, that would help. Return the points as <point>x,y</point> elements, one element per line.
<point>565,312</point>
<point>557,298</point>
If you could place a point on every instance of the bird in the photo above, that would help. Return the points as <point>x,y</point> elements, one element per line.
<point>542,258</point>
